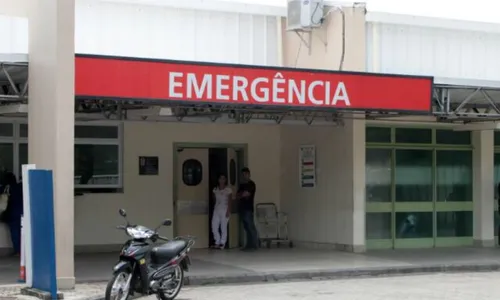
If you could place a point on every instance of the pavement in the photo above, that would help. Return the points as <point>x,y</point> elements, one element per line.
<point>270,265</point>
<point>466,286</point>
<point>440,286</point>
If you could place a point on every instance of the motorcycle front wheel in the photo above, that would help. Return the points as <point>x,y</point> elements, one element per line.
<point>118,287</point>
<point>171,289</point>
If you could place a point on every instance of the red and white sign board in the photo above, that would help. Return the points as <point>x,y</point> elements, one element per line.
<point>139,79</point>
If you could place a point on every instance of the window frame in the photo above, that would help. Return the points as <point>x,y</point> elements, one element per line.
<point>17,140</point>
<point>183,168</point>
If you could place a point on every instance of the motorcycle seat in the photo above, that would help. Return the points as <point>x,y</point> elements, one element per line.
<point>162,254</point>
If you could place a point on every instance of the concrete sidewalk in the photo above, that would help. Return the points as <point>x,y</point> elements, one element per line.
<point>223,267</point>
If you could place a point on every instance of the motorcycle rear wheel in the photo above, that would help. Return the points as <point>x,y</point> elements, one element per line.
<point>178,278</point>
<point>115,288</point>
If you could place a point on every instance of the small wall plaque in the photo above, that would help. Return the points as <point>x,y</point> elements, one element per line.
<point>148,165</point>
<point>307,166</point>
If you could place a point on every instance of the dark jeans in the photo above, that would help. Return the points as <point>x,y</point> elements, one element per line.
<point>15,235</point>
<point>252,237</point>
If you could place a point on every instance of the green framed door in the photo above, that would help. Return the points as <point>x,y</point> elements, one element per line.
<point>453,197</point>
<point>418,188</point>
<point>379,199</point>
<point>413,198</point>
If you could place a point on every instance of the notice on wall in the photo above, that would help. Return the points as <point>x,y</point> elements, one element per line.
<point>307,166</point>
<point>148,165</point>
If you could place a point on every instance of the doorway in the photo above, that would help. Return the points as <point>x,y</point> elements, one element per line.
<point>197,170</point>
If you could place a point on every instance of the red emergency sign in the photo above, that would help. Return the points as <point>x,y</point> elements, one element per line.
<point>139,79</point>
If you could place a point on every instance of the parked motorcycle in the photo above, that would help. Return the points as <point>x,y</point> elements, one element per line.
<point>145,268</point>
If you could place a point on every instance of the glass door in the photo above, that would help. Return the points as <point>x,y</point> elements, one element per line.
<point>454,198</point>
<point>413,190</point>
<point>379,200</point>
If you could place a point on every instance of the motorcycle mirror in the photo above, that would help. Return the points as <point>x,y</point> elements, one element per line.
<point>123,213</point>
<point>167,222</point>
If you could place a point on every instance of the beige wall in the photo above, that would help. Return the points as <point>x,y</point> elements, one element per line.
<point>149,199</point>
<point>324,215</point>
<point>333,213</point>
<point>326,48</point>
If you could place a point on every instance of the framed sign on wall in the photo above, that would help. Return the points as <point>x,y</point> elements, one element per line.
<point>148,165</point>
<point>307,166</point>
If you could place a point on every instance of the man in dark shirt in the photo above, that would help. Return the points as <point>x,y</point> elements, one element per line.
<point>245,197</point>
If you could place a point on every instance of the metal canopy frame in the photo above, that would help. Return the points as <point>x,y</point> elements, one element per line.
<point>457,104</point>
<point>466,104</point>
<point>13,82</point>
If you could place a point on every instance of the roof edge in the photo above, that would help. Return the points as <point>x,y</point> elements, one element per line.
<point>227,6</point>
<point>466,83</point>
<point>421,21</point>
<point>13,57</point>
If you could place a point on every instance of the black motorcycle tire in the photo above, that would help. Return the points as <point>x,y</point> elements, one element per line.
<point>109,286</point>
<point>162,296</point>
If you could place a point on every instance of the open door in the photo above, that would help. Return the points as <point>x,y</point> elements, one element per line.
<point>192,195</point>
<point>233,175</point>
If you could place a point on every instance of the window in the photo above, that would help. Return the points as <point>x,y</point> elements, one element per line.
<point>96,132</point>
<point>378,226</point>
<point>413,175</point>
<point>6,129</point>
<point>454,176</point>
<point>97,156</point>
<point>192,172</point>
<point>23,130</point>
<point>413,225</point>
<point>23,157</point>
<point>454,224</point>
<point>378,135</point>
<point>450,137</point>
<point>96,164</point>
<point>497,174</point>
<point>378,175</point>
<point>497,138</point>
<point>497,195</point>
<point>6,157</point>
<point>413,136</point>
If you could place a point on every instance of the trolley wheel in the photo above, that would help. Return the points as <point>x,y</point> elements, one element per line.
<point>268,244</point>
<point>290,244</point>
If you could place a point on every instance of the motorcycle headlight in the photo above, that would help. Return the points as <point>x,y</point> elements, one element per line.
<point>138,234</point>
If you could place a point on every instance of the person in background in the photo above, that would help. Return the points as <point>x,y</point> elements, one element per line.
<point>14,210</point>
<point>222,212</point>
<point>245,198</point>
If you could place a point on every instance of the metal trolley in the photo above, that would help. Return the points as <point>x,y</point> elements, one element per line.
<point>272,225</point>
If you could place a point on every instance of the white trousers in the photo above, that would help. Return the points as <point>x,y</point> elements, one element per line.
<point>219,222</point>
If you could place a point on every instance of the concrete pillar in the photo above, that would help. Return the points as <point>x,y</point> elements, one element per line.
<point>357,131</point>
<point>51,115</point>
<point>483,164</point>
<point>17,8</point>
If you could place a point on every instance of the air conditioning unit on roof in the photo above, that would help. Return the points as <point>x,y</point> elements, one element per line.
<point>304,14</point>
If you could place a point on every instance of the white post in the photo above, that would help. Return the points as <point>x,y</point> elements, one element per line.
<point>26,238</point>
<point>51,116</point>
<point>484,188</point>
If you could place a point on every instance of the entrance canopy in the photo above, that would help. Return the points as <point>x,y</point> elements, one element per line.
<point>121,87</point>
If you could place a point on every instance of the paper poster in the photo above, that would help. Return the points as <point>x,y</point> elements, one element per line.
<point>307,166</point>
